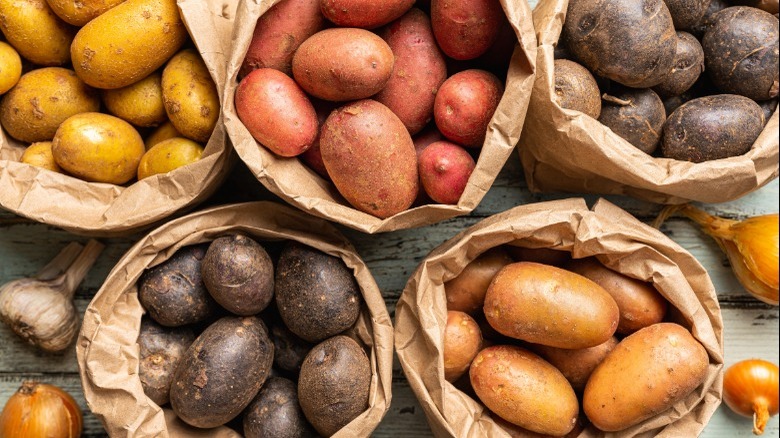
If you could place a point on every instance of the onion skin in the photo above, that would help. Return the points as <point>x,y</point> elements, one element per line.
<point>750,388</point>
<point>40,410</point>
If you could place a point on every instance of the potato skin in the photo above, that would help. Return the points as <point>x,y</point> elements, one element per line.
<point>222,371</point>
<point>361,137</point>
<point>81,12</point>
<point>140,103</point>
<point>190,96</point>
<point>569,310</point>
<point>466,292</point>
<point>462,342</point>
<point>278,34</point>
<point>161,350</point>
<point>576,88</point>
<point>127,43</point>
<point>631,42</point>
<point>707,20</point>
<point>711,128</point>
<point>10,67</point>
<point>366,14</point>
<point>686,13</point>
<point>169,155</point>
<point>576,365</point>
<point>688,66</point>
<point>41,100</point>
<point>334,384</point>
<point>639,302</point>
<point>644,375</point>
<point>36,32</point>
<point>289,349</point>
<point>418,71</point>
<point>636,115</point>
<point>341,64</point>
<point>465,29</point>
<point>445,169</point>
<point>39,154</point>
<point>524,389</point>
<point>465,104</point>
<point>276,112</point>
<point>275,412</point>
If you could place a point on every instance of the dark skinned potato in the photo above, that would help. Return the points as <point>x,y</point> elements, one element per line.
<point>637,115</point>
<point>275,412</point>
<point>289,350</point>
<point>686,13</point>
<point>161,349</point>
<point>700,28</point>
<point>688,65</point>
<point>576,88</point>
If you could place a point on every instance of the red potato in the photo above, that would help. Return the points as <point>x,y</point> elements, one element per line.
<point>278,34</point>
<point>276,112</point>
<point>366,14</point>
<point>462,341</point>
<point>370,157</point>
<point>445,169</point>
<point>313,156</point>
<point>421,141</point>
<point>465,104</point>
<point>466,29</point>
<point>341,64</point>
<point>418,72</point>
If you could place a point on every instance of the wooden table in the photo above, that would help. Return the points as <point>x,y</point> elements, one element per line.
<point>751,328</point>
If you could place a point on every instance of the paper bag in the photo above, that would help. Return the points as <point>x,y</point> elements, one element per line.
<point>565,150</point>
<point>620,242</point>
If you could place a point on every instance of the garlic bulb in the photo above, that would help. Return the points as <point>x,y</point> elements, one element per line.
<point>41,309</point>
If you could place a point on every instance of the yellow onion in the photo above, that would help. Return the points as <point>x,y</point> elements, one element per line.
<point>750,388</point>
<point>40,410</point>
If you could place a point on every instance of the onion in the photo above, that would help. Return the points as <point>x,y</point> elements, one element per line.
<point>750,388</point>
<point>40,410</point>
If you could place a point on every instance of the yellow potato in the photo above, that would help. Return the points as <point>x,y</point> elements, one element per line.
<point>39,155</point>
<point>140,103</point>
<point>10,67</point>
<point>169,155</point>
<point>190,96</point>
<point>462,341</point>
<point>80,12</point>
<point>36,32</point>
<point>127,43</point>
<point>162,133</point>
<point>98,147</point>
<point>41,100</point>
<point>466,292</point>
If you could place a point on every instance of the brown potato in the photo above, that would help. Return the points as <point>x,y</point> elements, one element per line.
<point>222,371</point>
<point>631,42</point>
<point>647,373</point>
<point>576,365</point>
<point>462,342</point>
<point>36,32</point>
<point>516,431</point>
<point>523,389</point>
<point>707,20</point>
<point>366,14</point>
<point>639,302</point>
<point>39,154</point>
<point>445,169</point>
<point>278,34</point>
<point>275,412</point>
<point>10,67</point>
<point>289,349</point>
<point>576,88</point>
<point>712,127</point>
<point>361,137</point>
<point>140,103</point>
<point>190,96</point>
<point>546,305</point>
<point>341,64</point>
<point>465,29</point>
<point>465,104</point>
<point>688,65</point>
<point>466,292</point>
<point>686,13</point>
<point>418,71</point>
<point>160,351</point>
<point>636,115</point>
<point>769,107</point>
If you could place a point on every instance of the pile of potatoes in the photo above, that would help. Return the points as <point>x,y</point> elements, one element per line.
<point>271,357</point>
<point>692,80</point>
<point>550,344</point>
<point>105,91</point>
<point>390,101</point>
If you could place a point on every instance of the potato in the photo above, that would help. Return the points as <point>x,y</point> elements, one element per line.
<point>289,350</point>
<point>222,371</point>
<point>576,89</point>
<point>341,64</point>
<point>366,14</point>
<point>313,156</point>
<point>239,274</point>
<point>163,132</point>
<point>466,292</point>
<point>546,256</point>
<point>674,102</point>
<point>686,13</point>
<point>639,302</point>
<point>769,107</point>
<point>707,20</point>
<point>161,350</point>
<point>445,169</point>
<point>98,147</point>
<point>771,6</point>
<point>316,293</point>
<point>418,71</point>
<point>516,431</point>
<point>278,34</point>
<point>576,365</point>
<point>740,52</point>
<point>36,32</point>
<point>127,43</point>
<point>10,67</point>
<point>140,103</point>
<point>465,104</point>
<point>631,42</point>
<point>79,13</point>
<point>361,137</point>
<point>712,127</point>
<point>169,155</point>
<point>334,384</point>
<point>566,310</point>
<point>688,65</point>
<point>190,96</point>
<point>636,115</point>
<point>523,389</point>
<point>465,29</point>
<point>275,412</point>
<point>647,373</point>
<point>462,342</point>
<point>41,100</point>
<point>277,112</point>
<point>39,154</point>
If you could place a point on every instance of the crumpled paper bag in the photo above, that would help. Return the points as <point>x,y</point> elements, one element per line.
<point>107,348</point>
<point>620,242</point>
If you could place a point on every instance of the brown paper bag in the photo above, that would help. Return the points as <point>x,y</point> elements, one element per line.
<point>106,209</point>
<point>620,242</point>
<point>107,350</point>
<point>300,186</point>
<point>565,150</point>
